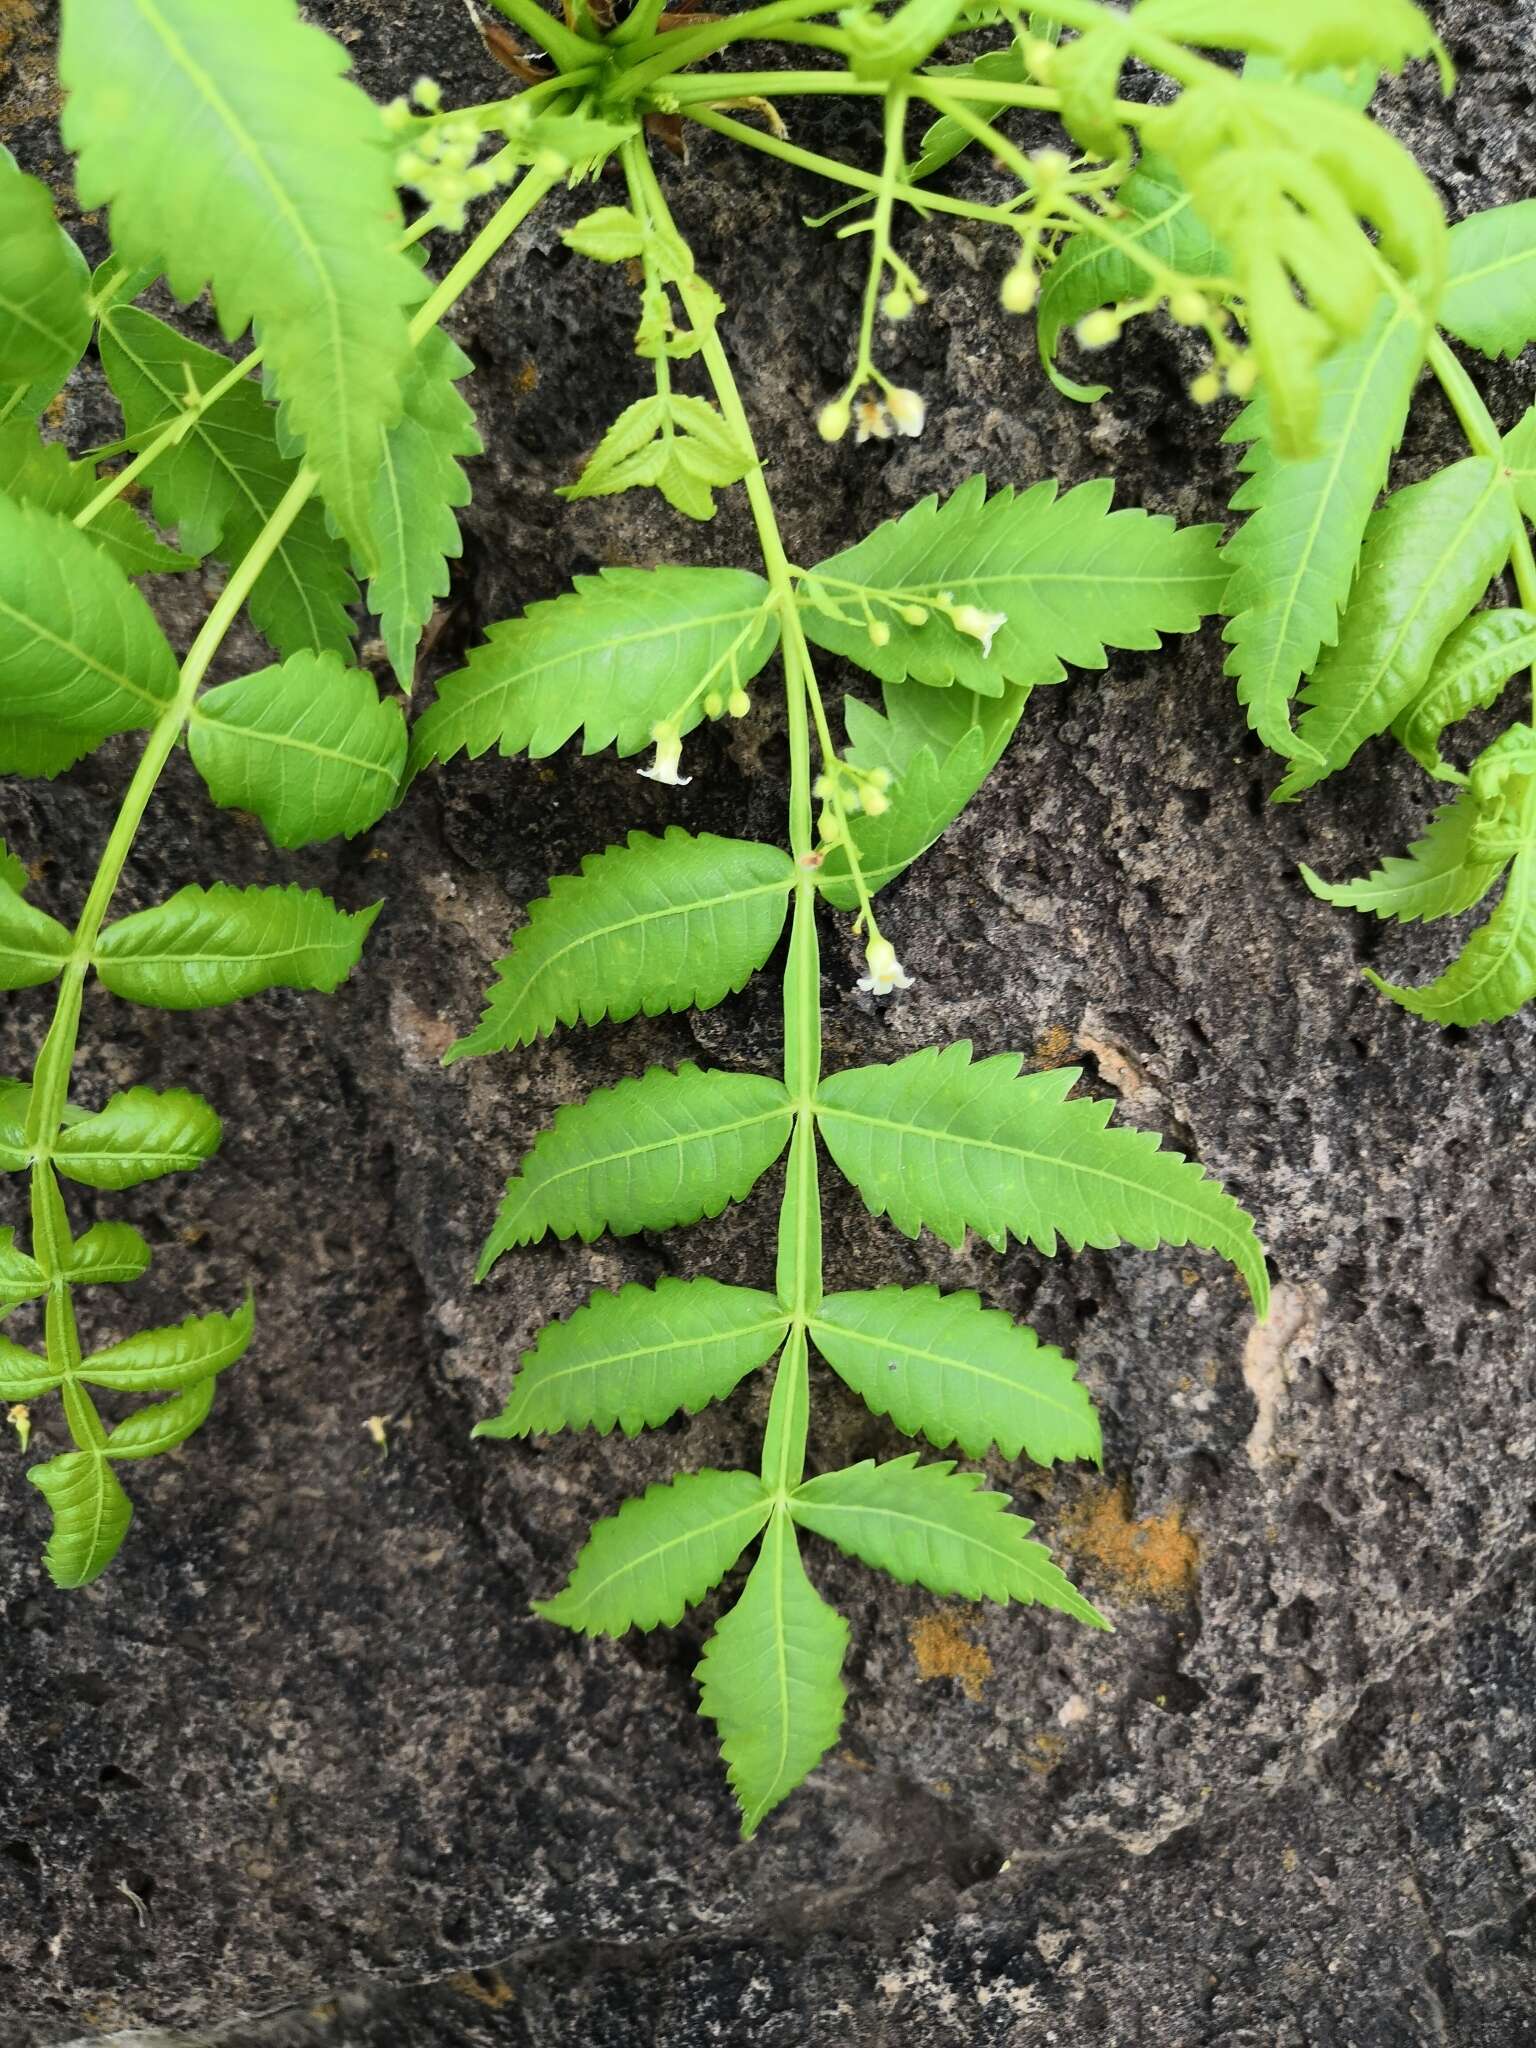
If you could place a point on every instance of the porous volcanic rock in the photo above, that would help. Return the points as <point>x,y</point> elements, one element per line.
<point>304,1768</point>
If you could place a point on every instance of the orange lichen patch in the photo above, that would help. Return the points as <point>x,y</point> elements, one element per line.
<point>485,1987</point>
<point>942,1649</point>
<point>528,376</point>
<point>1049,1749</point>
<point>1154,1557</point>
<point>1054,1048</point>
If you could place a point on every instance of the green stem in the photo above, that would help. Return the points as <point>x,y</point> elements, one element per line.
<point>55,1062</point>
<point>1484,438</point>
<point>167,438</point>
<point>799,1262</point>
<point>674,51</point>
<point>569,51</point>
<point>885,206</point>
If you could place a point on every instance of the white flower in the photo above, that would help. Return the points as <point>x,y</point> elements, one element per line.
<point>669,752</point>
<point>872,421</point>
<point>908,410</point>
<point>886,972</point>
<point>969,618</point>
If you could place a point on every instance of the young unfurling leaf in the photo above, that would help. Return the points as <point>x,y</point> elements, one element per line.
<point>621,651</point>
<point>936,1140</point>
<point>1471,671</point>
<point>232,152</point>
<point>657,924</point>
<point>677,444</point>
<point>1010,586</point>
<point>632,1359</point>
<point>771,1678</point>
<point>929,1525</point>
<point>661,1553</point>
<point>1293,558</point>
<point>309,747</point>
<point>203,947</point>
<point>1430,552</point>
<point>225,477</point>
<point>1439,876</point>
<point>1306,34</point>
<point>944,1367</point>
<point>1495,974</point>
<point>645,1155</point>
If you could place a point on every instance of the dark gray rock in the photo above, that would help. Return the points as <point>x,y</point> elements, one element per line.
<point>305,1753</point>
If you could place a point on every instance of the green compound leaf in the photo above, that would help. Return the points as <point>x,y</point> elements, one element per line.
<point>204,947</point>
<point>679,445</point>
<point>1490,293</point>
<point>944,1367</point>
<point>141,1135</point>
<point>79,647</point>
<point>928,1525</point>
<point>1470,672</point>
<point>309,747</point>
<point>33,945</point>
<point>1293,559</point>
<point>107,1253</point>
<point>1153,215</point>
<point>610,234</point>
<point>1055,579</point>
<point>90,1513</point>
<point>419,487</point>
<point>221,483</point>
<point>660,1553</point>
<point>1430,552</point>
<point>181,1355</point>
<point>23,1375</point>
<point>163,1425</point>
<point>232,152</point>
<point>621,651</point>
<point>22,1279</point>
<point>45,315</point>
<point>1495,973</point>
<point>938,747</point>
<point>1439,876</point>
<point>40,473</point>
<point>658,924</point>
<point>631,1360</point>
<point>771,1679</point>
<point>644,1155</point>
<point>1307,34</point>
<point>935,1140</point>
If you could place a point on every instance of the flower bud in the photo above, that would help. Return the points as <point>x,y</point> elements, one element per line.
<point>1242,376</point>
<point>1206,388</point>
<point>714,704</point>
<point>914,614</point>
<point>897,303</point>
<point>832,420</point>
<point>1189,308</point>
<point>738,703</point>
<point>1021,288</point>
<point>879,633</point>
<point>1099,329</point>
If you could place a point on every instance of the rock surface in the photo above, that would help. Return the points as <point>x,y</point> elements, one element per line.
<point>304,1768</point>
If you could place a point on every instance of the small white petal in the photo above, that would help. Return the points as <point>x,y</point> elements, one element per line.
<point>908,410</point>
